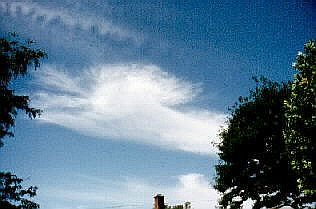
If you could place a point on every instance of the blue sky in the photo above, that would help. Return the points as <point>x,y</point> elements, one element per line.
<point>133,93</point>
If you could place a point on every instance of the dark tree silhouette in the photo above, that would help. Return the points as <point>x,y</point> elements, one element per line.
<point>254,162</point>
<point>15,59</point>
<point>267,152</point>
<point>12,195</point>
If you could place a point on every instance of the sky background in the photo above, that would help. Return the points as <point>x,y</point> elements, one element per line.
<point>133,93</point>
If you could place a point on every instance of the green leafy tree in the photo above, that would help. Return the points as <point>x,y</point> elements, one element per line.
<point>301,118</point>
<point>15,59</point>
<point>253,157</point>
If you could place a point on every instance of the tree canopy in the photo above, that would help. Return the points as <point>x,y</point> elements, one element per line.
<point>301,119</point>
<point>12,194</point>
<point>267,152</point>
<point>15,59</point>
<point>252,151</point>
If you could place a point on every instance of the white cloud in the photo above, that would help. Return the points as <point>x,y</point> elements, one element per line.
<point>131,193</point>
<point>131,102</point>
<point>194,188</point>
<point>36,11</point>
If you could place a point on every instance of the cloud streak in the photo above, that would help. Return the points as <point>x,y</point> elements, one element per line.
<point>35,11</point>
<point>133,102</point>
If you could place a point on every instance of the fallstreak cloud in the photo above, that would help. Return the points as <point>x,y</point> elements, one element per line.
<point>35,11</point>
<point>126,102</point>
<point>129,102</point>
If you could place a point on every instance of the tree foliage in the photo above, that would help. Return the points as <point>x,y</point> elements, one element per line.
<point>254,162</point>
<point>267,152</point>
<point>12,194</point>
<point>15,58</point>
<point>301,118</point>
<point>187,205</point>
<point>174,207</point>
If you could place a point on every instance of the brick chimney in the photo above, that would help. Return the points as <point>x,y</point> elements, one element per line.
<point>159,202</point>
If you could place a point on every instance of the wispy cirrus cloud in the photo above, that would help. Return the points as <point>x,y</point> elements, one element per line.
<point>129,102</point>
<point>35,11</point>
<point>132,193</point>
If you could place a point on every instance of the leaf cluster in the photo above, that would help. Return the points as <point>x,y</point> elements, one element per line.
<point>15,58</point>
<point>12,195</point>
<point>301,118</point>
<point>174,207</point>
